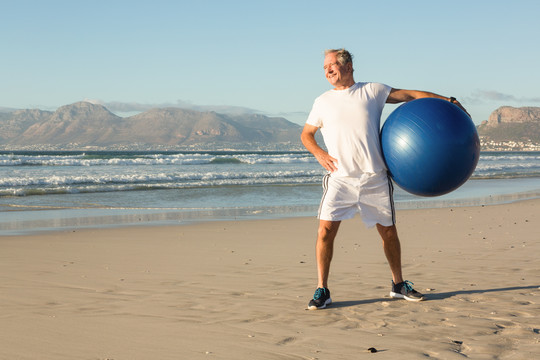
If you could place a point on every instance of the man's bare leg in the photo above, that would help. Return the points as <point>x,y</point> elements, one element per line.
<point>392,250</point>
<point>325,249</point>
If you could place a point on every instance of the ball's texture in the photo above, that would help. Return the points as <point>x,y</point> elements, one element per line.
<point>430,146</point>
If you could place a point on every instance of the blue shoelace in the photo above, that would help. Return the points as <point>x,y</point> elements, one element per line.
<point>319,293</point>
<point>408,285</point>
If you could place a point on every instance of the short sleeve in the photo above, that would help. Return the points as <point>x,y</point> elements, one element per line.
<point>381,92</point>
<point>314,117</point>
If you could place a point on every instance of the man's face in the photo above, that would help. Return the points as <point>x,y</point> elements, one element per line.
<point>336,74</point>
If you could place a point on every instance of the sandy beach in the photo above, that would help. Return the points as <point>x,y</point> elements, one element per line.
<point>239,290</point>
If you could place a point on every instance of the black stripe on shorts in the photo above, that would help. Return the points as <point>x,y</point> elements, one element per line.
<point>325,180</point>
<point>391,191</point>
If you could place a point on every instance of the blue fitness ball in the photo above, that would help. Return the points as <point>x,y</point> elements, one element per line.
<point>430,146</point>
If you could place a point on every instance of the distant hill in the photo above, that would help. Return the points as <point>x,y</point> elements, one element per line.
<point>87,124</point>
<point>512,124</point>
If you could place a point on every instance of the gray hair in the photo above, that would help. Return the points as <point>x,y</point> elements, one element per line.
<point>342,55</point>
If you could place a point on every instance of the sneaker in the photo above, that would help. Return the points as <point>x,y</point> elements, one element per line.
<point>320,299</point>
<point>404,290</point>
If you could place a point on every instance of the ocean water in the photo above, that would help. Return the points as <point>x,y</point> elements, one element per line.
<point>42,191</point>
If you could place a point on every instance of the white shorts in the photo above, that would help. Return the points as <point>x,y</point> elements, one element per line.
<point>371,195</point>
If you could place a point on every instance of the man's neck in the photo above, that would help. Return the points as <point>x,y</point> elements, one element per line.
<point>345,85</point>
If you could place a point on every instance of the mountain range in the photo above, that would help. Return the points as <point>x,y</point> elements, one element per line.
<point>88,124</point>
<point>85,124</point>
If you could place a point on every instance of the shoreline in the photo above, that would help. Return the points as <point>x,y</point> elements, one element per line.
<point>27,220</point>
<point>239,289</point>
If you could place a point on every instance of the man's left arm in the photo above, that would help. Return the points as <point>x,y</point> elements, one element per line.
<point>403,95</point>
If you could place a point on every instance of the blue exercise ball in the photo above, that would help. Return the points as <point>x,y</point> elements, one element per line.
<point>430,146</point>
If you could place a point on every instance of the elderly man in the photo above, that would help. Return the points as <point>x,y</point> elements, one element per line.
<point>349,117</point>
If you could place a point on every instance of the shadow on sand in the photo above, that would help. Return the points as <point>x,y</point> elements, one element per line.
<point>434,295</point>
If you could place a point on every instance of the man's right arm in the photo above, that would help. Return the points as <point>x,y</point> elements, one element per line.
<point>403,95</point>
<point>308,139</point>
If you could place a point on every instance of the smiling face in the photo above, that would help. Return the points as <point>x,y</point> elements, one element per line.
<point>339,76</point>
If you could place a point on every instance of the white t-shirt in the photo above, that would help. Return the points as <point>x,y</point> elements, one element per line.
<point>350,124</point>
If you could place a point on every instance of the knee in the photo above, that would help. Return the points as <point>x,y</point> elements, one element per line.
<point>327,231</point>
<point>388,233</point>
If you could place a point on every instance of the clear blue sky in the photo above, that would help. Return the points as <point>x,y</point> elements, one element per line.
<point>265,55</point>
